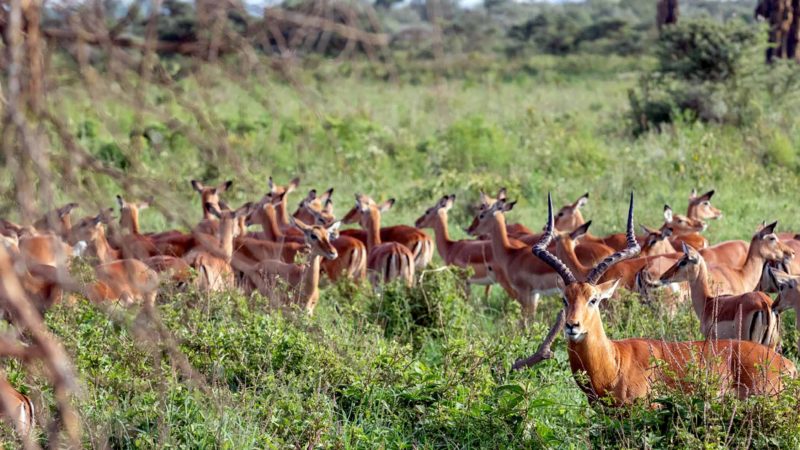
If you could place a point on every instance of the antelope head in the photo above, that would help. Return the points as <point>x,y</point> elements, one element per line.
<point>483,222</point>
<point>210,194</point>
<point>700,206</point>
<point>318,238</point>
<point>687,268</point>
<point>366,211</point>
<point>656,241</point>
<point>765,244</point>
<point>129,213</point>
<point>315,208</point>
<point>429,217</point>
<point>569,217</point>
<point>681,224</point>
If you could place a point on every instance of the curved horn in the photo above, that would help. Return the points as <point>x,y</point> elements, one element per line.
<point>630,251</point>
<point>540,249</point>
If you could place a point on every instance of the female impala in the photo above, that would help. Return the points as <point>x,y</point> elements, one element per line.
<point>19,407</point>
<point>212,258</point>
<point>700,206</point>
<point>302,278</point>
<point>412,238</point>
<point>352,260</point>
<point>125,280</point>
<point>209,195</point>
<point>58,221</point>
<point>131,242</point>
<point>475,255</point>
<point>746,316</point>
<point>386,261</point>
<point>527,275</point>
<point>623,371</point>
<point>788,287</point>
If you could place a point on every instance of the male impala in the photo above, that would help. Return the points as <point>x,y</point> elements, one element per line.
<point>527,275</point>
<point>386,261</point>
<point>475,255</point>
<point>212,258</point>
<point>16,408</point>
<point>412,238</point>
<point>624,371</point>
<point>303,279</point>
<point>746,316</point>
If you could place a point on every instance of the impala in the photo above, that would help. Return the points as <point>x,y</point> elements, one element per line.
<point>212,258</point>
<point>209,195</point>
<point>746,316</point>
<point>303,279</point>
<point>16,408</point>
<point>58,221</point>
<point>470,254</point>
<point>386,261</point>
<point>352,260</point>
<point>131,242</point>
<point>527,275</point>
<point>623,371</point>
<point>419,243</point>
<point>788,287</point>
<point>124,280</point>
<point>700,206</point>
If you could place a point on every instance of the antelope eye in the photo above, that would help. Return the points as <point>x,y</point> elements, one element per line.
<point>564,300</point>
<point>314,237</point>
<point>682,263</point>
<point>560,214</point>
<point>707,203</point>
<point>593,302</point>
<point>483,215</point>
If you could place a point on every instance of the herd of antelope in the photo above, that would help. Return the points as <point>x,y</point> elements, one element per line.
<point>726,282</point>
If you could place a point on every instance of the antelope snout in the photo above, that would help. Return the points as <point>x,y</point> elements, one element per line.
<point>574,331</point>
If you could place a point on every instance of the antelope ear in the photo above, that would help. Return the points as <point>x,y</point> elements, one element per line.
<point>449,202</point>
<point>387,205</point>
<point>667,214</point>
<point>580,231</point>
<point>501,194</point>
<point>243,210</point>
<point>708,195</point>
<point>212,208</point>
<point>293,184</point>
<point>693,194</point>
<point>271,184</point>
<point>225,186</point>
<point>508,206</point>
<point>768,229</point>
<point>582,201</point>
<point>647,230</point>
<point>326,196</point>
<point>607,289</point>
<point>120,201</point>
<point>198,186</point>
<point>666,232</point>
<point>685,248</point>
<point>328,209</point>
<point>484,199</point>
<point>66,209</point>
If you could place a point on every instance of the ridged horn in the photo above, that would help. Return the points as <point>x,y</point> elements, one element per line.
<point>630,251</point>
<point>540,249</point>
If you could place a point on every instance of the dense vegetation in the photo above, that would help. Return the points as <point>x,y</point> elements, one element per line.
<point>427,367</point>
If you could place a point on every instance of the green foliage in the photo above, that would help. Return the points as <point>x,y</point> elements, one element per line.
<point>704,50</point>
<point>704,73</point>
